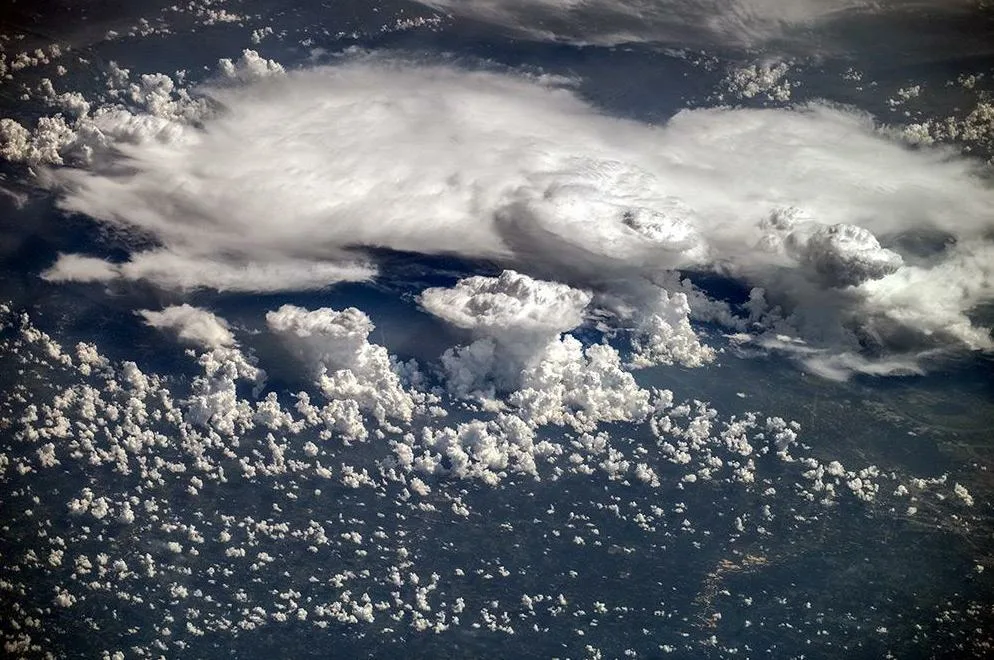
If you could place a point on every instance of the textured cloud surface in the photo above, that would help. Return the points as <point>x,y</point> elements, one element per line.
<point>728,22</point>
<point>191,324</point>
<point>514,319</point>
<point>351,372</point>
<point>511,304</point>
<point>278,188</point>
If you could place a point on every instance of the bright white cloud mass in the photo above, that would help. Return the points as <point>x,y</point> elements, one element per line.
<point>182,270</point>
<point>394,351</point>
<point>192,325</point>
<point>277,188</point>
<point>514,319</point>
<point>350,371</point>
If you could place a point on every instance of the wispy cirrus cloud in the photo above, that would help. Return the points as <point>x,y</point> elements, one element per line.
<point>735,23</point>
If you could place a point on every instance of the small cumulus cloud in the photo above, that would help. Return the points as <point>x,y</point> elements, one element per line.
<point>192,325</point>
<point>80,268</point>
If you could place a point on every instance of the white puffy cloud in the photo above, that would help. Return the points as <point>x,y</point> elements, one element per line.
<point>280,187</point>
<point>837,255</point>
<point>510,305</point>
<point>847,255</point>
<point>214,402</point>
<point>249,67</point>
<point>514,318</point>
<point>580,387</point>
<point>348,368</point>
<point>518,322</point>
<point>42,146</point>
<point>663,334</point>
<point>755,79</point>
<point>191,324</point>
<point>79,268</point>
<point>488,451</point>
<point>335,339</point>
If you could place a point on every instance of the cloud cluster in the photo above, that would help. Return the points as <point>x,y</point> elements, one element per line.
<point>663,334</point>
<point>512,308</point>
<point>129,485</point>
<point>518,324</point>
<point>350,371</point>
<point>836,255</point>
<point>514,318</point>
<point>279,189</point>
<point>579,387</point>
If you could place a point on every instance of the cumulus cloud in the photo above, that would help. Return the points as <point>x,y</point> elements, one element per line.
<point>79,268</point>
<point>580,387</point>
<point>42,146</point>
<point>249,67</point>
<point>518,324</point>
<point>836,255</point>
<point>512,305</point>
<point>191,324</point>
<point>299,171</point>
<point>514,318</point>
<point>349,369</point>
<point>663,334</point>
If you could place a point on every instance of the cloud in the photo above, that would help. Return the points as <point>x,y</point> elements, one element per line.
<point>177,270</point>
<point>192,325</point>
<point>838,366</point>
<point>735,23</point>
<point>335,339</point>
<point>350,371</point>
<point>842,365</point>
<point>296,173</point>
<point>213,401</point>
<point>250,67</point>
<point>518,324</point>
<point>836,255</point>
<point>37,147</point>
<point>663,334</point>
<point>79,268</point>
<point>934,299</point>
<point>580,387</point>
<point>510,305</point>
<point>514,319</point>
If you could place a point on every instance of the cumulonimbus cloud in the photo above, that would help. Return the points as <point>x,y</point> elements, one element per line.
<point>305,168</point>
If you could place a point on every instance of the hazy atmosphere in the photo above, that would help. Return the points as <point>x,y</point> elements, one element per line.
<point>497,328</point>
